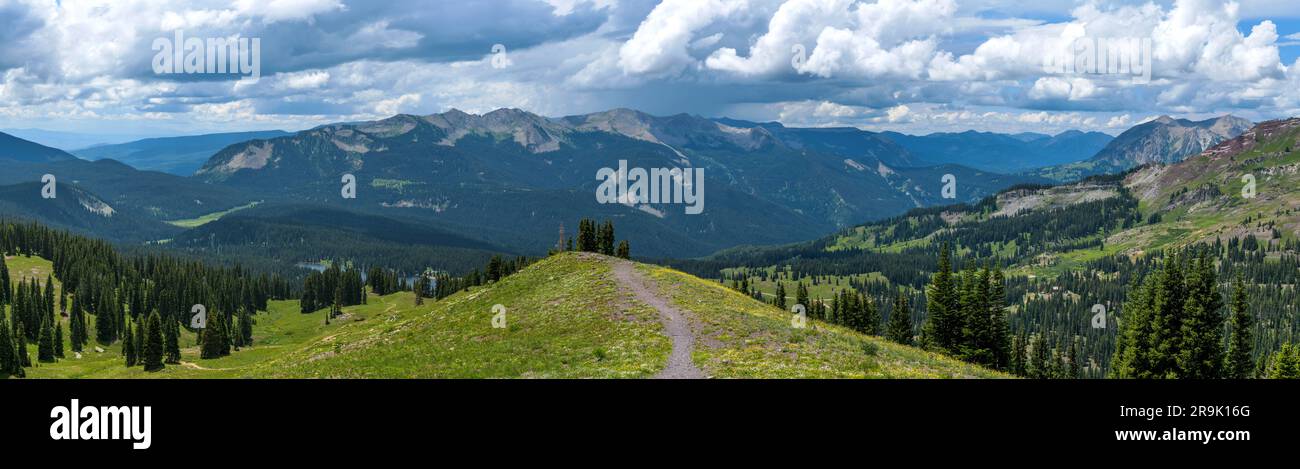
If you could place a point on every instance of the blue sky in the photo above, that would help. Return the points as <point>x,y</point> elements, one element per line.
<point>916,66</point>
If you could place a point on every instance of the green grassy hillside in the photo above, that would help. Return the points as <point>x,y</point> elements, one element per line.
<point>566,317</point>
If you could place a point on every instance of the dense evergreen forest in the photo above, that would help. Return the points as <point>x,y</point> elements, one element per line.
<point>1049,319</point>
<point>144,302</point>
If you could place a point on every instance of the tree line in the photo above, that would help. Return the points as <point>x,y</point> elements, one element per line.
<point>112,298</point>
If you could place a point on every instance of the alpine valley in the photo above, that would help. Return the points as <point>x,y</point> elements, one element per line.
<point>966,254</point>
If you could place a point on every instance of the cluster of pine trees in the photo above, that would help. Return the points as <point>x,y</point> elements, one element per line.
<point>385,281</point>
<point>334,288</point>
<point>496,269</point>
<point>1173,325</point>
<point>597,238</point>
<point>123,294</point>
<point>966,314</point>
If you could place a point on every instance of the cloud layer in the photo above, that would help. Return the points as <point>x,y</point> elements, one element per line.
<point>911,65</point>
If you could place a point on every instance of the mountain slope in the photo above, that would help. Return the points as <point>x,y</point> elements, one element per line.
<point>76,209</point>
<point>1164,140</point>
<point>16,149</point>
<point>999,152</point>
<point>1205,197</point>
<point>174,155</point>
<point>293,234</point>
<point>566,316</point>
<point>533,173</point>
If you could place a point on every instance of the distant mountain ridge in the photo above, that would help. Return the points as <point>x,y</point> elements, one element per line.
<point>1001,152</point>
<point>181,156</point>
<point>518,176</point>
<point>17,149</point>
<point>1163,140</point>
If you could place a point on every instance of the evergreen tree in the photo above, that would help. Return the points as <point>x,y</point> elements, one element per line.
<point>1133,350</point>
<point>45,345</point>
<point>139,337</point>
<point>105,332</point>
<point>128,346</point>
<point>24,358</point>
<point>871,316</point>
<point>998,338</point>
<point>1019,361</point>
<point>5,288</point>
<point>1238,363</point>
<point>780,296</point>
<point>1285,363</point>
<point>212,343</point>
<point>605,238</point>
<point>942,328</point>
<point>899,328</point>
<point>1040,358</point>
<point>153,343</point>
<point>58,339</point>
<point>245,334</point>
<point>1167,318</point>
<point>801,294</point>
<point>76,326</point>
<point>624,249</point>
<point>1075,365</point>
<point>8,355</point>
<point>171,342</point>
<point>1200,352</point>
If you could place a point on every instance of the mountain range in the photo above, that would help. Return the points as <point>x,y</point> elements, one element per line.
<point>1163,140</point>
<point>1001,152</point>
<point>174,155</point>
<point>513,179</point>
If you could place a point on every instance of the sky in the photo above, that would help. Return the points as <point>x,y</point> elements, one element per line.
<point>914,66</point>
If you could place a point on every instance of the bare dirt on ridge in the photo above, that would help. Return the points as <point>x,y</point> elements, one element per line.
<point>676,324</point>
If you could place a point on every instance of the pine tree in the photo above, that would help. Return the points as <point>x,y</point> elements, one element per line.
<point>871,317</point>
<point>213,341</point>
<point>801,294</point>
<point>1019,361</point>
<point>1238,363</point>
<point>58,339</point>
<point>1200,351</point>
<point>780,296</point>
<point>245,329</point>
<point>1167,318</point>
<point>76,326</point>
<point>624,249</point>
<point>128,346</point>
<point>1285,363</point>
<point>24,358</point>
<point>104,331</point>
<point>999,333</point>
<point>8,355</point>
<point>45,344</point>
<point>171,342</point>
<point>1133,349</point>
<point>899,328</point>
<point>942,328</point>
<point>153,343</point>
<point>139,337</point>
<point>1075,366</point>
<point>1040,358</point>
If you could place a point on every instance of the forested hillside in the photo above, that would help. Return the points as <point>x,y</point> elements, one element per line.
<point>1091,268</point>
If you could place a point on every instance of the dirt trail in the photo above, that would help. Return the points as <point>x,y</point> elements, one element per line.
<point>675,322</point>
